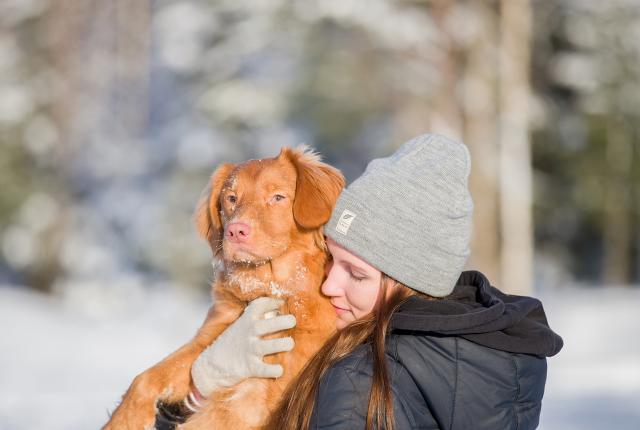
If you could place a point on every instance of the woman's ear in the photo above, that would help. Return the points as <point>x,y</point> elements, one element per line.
<point>318,186</point>
<point>207,215</point>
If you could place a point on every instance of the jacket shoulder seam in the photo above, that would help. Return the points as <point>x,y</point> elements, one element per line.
<point>347,373</point>
<point>399,366</point>
<point>338,371</point>
<point>518,389</point>
<point>455,388</point>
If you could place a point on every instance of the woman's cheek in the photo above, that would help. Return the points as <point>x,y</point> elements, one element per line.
<point>362,298</point>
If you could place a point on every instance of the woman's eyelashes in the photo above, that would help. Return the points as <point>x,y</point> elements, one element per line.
<point>356,277</point>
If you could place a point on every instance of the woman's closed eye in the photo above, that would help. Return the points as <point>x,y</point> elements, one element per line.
<point>356,276</point>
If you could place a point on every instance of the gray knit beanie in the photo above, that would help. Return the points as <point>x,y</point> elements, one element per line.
<point>409,215</point>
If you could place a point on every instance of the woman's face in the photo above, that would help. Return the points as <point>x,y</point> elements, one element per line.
<point>352,285</point>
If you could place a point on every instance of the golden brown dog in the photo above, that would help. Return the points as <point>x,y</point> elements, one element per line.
<point>278,207</point>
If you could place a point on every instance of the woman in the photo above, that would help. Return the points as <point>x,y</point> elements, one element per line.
<point>420,344</point>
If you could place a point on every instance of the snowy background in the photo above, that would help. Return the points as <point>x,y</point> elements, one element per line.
<point>63,367</point>
<point>114,113</point>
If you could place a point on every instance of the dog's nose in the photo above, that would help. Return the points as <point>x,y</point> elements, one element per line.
<point>238,232</point>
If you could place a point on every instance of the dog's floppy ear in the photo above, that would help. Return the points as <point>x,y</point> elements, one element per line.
<point>318,186</point>
<point>207,215</point>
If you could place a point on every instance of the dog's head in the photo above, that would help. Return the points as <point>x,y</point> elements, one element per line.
<point>254,211</point>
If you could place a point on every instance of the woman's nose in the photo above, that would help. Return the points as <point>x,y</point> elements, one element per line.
<point>329,287</point>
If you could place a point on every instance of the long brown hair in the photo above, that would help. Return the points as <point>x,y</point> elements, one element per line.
<point>297,404</point>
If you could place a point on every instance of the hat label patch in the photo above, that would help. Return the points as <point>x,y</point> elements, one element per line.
<point>344,222</point>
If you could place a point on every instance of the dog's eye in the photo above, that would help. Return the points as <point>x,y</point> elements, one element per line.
<point>278,197</point>
<point>231,199</point>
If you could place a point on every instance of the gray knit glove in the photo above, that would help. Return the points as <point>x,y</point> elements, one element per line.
<point>237,353</point>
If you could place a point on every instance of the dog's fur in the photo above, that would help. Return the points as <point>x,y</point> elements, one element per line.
<point>285,257</point>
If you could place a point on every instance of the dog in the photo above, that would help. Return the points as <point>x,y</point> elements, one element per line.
<point>263,220</point>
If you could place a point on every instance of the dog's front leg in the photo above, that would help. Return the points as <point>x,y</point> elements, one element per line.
<point>168,380</point>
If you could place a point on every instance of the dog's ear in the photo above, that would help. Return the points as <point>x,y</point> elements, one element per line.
<point>207,215</point>
<point>318,186</point>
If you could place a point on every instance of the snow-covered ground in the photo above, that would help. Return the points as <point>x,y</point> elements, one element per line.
<point>63,368</point>
<point>65,363</point>
<point>594,382</point>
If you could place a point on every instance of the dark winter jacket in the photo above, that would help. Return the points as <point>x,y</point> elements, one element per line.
<point>475,360</point>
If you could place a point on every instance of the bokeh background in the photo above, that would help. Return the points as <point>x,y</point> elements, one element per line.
<point>113,113</point>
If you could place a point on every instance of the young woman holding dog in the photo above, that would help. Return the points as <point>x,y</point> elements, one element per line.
<point>420,343</point>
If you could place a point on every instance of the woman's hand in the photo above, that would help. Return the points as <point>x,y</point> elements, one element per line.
<point>237,353</point>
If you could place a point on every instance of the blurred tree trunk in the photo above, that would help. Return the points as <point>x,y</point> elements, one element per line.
<point>617,208</point>
<point>480,83</point>
<point>446,114</point>
<point>515,157</point>
<point>101,52</point>
<point>98,56</point>
<point>61,33</point>
<point>480,132</point>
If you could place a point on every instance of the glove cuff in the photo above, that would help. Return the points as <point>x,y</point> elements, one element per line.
<point>203,378</point>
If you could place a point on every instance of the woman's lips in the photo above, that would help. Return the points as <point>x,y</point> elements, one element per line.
<point>339,310</point>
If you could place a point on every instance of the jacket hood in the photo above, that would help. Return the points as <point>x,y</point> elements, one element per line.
<point>481,314</point>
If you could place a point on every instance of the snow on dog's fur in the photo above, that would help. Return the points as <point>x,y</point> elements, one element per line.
<point>283,257</point>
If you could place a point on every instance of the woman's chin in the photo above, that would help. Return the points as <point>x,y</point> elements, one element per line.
<point>340,323</point>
